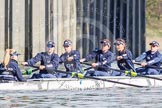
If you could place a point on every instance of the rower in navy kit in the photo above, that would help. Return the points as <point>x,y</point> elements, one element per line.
<point>70,58</point>
<point>123,57</point>
<point>152,58</point>
<point>14,68</point>
<point>103,58</point>
<point>49,62</point>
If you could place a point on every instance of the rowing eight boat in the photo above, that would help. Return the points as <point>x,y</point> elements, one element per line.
<point>79,84</point>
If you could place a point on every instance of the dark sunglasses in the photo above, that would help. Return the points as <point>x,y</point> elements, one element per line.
<point>66,46</point>
<point>153,45</point>
<point>117,44</point>
<point>105,43</point>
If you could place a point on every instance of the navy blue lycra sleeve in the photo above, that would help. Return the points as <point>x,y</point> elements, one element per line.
<point>155,60</point>
<point>128,55</point>
<point>35,59</point>
<point>76,55</point>
<point>109,59</point>
<point>62,58</point>
<point>90,56</point>
<point>141,57</point>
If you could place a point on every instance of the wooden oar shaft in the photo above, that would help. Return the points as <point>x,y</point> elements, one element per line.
<point>95,78</point>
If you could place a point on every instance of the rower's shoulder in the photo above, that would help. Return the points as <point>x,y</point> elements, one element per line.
<point>56,55</point>
<point>158,52</point>
<point>110,53</point>
<point>75,51</point>
<point>128,51</point>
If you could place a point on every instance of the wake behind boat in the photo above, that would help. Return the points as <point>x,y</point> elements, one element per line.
<point>80,84</point>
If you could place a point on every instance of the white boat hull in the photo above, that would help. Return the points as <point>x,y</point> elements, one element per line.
<point>79,84</point>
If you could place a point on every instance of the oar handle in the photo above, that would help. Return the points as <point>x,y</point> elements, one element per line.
<point>33,66</point>
<point>137,63</point>
<point>88,68</point>
<point>86,63</point>
<point>150,66</point>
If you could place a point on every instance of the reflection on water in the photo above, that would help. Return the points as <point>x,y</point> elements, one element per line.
<point>111,98</point>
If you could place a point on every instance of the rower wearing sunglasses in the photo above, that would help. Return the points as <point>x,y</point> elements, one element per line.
<point>103,58</point>
<point>70,58</point>
<point>152,58</point>
<point>49,61</point>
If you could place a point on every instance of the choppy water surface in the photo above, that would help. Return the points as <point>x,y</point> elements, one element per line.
<point>109,98</point>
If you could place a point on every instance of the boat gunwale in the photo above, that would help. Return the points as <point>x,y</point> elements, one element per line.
<point>107,77</point>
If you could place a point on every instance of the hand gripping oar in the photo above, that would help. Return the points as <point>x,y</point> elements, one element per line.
<point>79,75</point>
<point>29,71</point>
<point>37,68</point>
<point>151,66</point>
<point>88,68</point>
<point>127,72</point>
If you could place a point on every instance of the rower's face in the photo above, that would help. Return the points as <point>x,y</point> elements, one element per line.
<point>68,48</point>
<point>50,50</point>
<point>120,47</point>
<point>15,57</point>
<point>154,48</point>
<point>104,47</point>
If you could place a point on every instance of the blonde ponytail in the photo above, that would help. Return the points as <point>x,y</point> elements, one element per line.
<point>7,56</point>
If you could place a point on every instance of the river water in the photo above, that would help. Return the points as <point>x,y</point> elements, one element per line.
<point>101,98</point>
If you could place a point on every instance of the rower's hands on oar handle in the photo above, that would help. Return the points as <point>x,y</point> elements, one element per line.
<point>42,67</point>
<point>119,57</point>
<point>24,63</point>
<point>133,61</point>
<point>143,64</point>
<point>82,60</point>
<point>70,58</point>
<point>94,65</point>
